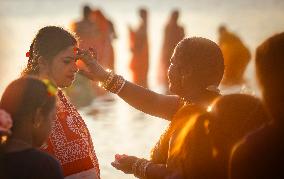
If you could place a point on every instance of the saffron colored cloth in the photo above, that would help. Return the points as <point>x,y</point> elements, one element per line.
<point>160,152</point>
<point>70,141</point>
<point>139,62</point>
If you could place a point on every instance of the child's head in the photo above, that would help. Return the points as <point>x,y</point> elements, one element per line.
<point>269,63</point>
<point>31,105</point>
<point>233,116</point>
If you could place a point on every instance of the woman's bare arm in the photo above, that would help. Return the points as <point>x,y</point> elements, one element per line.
<point>147,101</point>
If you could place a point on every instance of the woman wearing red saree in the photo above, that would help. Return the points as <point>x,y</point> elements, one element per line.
<point>52,56</point>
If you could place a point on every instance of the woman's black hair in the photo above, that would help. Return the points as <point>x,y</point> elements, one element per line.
<point>23,97</point>
<point>48,42</point>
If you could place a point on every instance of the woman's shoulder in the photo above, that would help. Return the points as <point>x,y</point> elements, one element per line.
<point>43,156</point>
<point>34,157</point>
<point>264,135</point>
<point>187,111</point>
<point>261,142</point>
<point>46,164</point>
<point>32,162</point>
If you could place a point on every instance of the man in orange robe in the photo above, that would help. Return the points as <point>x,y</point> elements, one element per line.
<point>139,63</point>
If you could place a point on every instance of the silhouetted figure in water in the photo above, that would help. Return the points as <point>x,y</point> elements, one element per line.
<point>236,57</point>
<point>140,53</point>
<point>87,31</point>
<point>261,154</point>
<point>173,34</point>
<point>106,34</point>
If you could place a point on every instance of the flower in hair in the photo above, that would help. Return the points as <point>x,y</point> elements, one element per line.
<point>28,54</point>
<point>51,88</point>
<point>5,121</point>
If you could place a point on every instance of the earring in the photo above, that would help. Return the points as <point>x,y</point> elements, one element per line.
<point>36,125</point>
<point>182,81</point>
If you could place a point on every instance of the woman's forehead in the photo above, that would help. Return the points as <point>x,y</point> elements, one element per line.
<point>68,52</point>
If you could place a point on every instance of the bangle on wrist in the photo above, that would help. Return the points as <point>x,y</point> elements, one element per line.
<point>134,166</point>
<point>118,84</point>
<point>114,83</point>
<point>106,83</point>
<point>139,168</point>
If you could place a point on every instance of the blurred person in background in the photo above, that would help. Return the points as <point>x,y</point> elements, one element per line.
<point>105,37</point>
<point>230,119</point>
<point>261,154</point>
<point>202,148</point>
<point>86,29</point>
<point>236,57</point>
<point>88,33</point>
<point>172,35</point>
<point>139,47</point>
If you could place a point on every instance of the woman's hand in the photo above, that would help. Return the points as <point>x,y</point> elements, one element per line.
<point>88,65</point>
<point>124,163</point>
